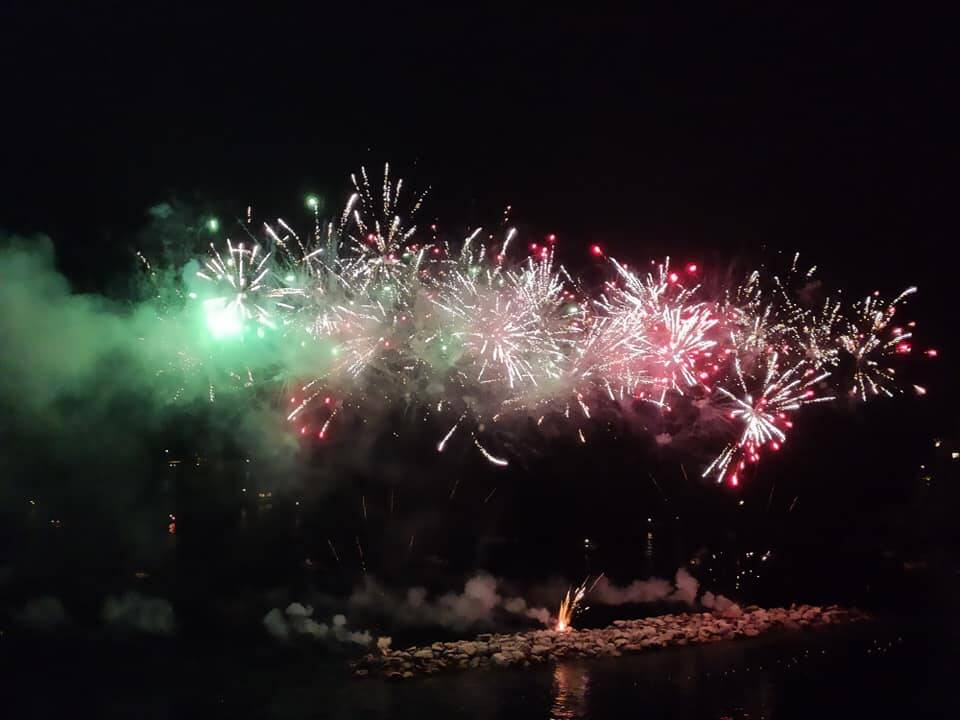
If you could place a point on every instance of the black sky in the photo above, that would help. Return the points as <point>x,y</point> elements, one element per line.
<point>814,129</point>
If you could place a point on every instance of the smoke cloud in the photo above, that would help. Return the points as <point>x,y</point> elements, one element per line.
<point>716,602</point>
<point>99,379</point>
<point>41,613</point>
<point>683,589</point>
<point>297,620</point>
<point>140,613</point>
<point>477,605</point>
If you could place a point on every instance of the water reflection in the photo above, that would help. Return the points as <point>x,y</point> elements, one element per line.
<point>570,686</point>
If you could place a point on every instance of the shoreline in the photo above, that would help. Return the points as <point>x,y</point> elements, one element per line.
<point>621,637</point>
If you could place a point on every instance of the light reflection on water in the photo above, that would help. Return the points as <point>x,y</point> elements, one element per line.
<point>571,683</point>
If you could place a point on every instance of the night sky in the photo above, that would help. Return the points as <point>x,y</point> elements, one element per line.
<point>713,137</point>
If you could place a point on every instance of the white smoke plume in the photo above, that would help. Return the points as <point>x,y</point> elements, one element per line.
<point>478,604</point>
<point>133,611</point>
<point>715,602</point>
<point>639,591</point>
<point>687,586</point>
<point>518,606</point>
<point>41,613</point>
<point>297,620</point>
<point>683,589</point>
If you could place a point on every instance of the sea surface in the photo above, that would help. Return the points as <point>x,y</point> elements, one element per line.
<point>903,668</point>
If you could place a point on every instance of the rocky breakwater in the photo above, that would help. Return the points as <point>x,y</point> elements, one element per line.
<point>623,636</point>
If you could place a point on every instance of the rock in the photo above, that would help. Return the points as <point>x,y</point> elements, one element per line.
<point>484,637</point>
<point>408,674</point>
<point>469,648</point>
<point>500,659</point>
<point>425,654</point>
<point>361,673</point>
<point>751,631</point>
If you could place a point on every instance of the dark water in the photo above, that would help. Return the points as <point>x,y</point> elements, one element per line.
<point>902,669</point>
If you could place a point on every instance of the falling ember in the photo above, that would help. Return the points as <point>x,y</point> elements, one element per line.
<point>443,443</point>
<point>492,459</point>
<point>323,430</point>
<point>363,563</point>
<point>333,550</point>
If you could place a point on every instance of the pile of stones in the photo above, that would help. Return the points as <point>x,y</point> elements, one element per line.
<point>623,636</point>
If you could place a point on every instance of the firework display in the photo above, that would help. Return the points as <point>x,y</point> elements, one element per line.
<point>478,333</point>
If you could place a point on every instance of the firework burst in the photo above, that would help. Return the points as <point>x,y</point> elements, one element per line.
<point>870,341</point>
<point>763,405</point>
<point>478,333</point>
<point>241,288</point>
<point>385,260</point>
<point>501,334</point>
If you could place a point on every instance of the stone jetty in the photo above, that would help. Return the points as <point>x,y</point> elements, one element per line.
<point>622,637</point>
